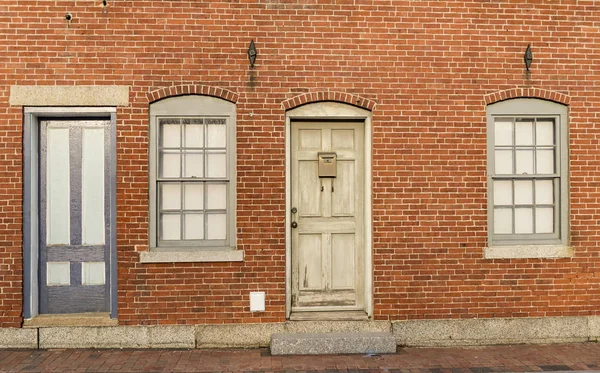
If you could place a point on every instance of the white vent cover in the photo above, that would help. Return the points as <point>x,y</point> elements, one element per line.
<point>257,301</point>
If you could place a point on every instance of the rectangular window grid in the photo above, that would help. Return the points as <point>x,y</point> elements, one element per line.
<point>192,179</point>
<point>526,177</point>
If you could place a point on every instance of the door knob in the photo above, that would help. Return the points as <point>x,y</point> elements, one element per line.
<point>294,210</point>
<point>294,224</point>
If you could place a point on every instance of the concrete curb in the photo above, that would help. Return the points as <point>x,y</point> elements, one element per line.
<point>118,337</point>
<point>333,343</point>
<point>433,333</point>
<point>473,332</point>
<point>18,338</point>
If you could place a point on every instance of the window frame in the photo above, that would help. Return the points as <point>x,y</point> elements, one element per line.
<point>182,107</point>
<point>538,109</point>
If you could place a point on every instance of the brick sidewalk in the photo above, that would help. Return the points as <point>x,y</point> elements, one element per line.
<point>568,357</point>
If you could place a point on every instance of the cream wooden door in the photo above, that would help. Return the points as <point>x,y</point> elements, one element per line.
<point>328,241</point>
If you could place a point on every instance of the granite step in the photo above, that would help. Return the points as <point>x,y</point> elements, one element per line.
<point>332,343</point>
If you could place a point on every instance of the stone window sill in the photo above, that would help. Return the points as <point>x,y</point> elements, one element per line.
<point>191,256</point>
<point>528,251</point>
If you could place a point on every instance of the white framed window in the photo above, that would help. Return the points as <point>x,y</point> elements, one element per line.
<point>192,174</point>
<point>527,173</point>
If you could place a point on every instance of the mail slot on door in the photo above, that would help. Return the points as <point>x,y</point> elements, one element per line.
<point>327,164</point>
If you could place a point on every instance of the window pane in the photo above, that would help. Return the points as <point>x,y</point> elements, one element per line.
<point>544,220</point>
<point>58,213</point>
<point>545,161</point>
<point>217,196</point>
<point>217,135</point>
<point>194,226</point>
<point>524,131</point>
<point>524,162</point>
<point>194,164</point>
<point>503,162</point>
<point>523,192</point>
<point>93,273</point>
<point>194,196</point>
<point>170,135</point>
<point>523,220</point>
<point>170,197</point>
<point>170,227</point>
<point>502,221</point>
<point>58,273</point>
<point>170,164</point>
<point>503,131</point>
<point>544,192</point>
<point>217,165</point>
<point>194,136</point>
<point>217,226</point>
<point>92,187</point>
<point>544,132</point>
<point>502,192</point>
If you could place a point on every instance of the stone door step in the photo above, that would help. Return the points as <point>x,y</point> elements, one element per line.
<point>332,343</point>
<point>71,319</point>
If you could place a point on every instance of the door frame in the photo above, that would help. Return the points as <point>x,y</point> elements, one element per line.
<point>330,111</point>
<point>31,137</point>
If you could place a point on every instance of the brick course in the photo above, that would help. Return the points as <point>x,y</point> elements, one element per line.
<point>426,69</point>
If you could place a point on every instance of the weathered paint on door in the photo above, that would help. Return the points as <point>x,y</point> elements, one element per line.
<point>74,216</point>
<point>328,243</point>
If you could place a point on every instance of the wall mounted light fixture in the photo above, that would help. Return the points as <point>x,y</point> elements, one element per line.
<point>252,53</point>
<point>528,57</point>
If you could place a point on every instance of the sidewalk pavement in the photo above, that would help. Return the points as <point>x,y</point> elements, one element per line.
<point>519,358</point>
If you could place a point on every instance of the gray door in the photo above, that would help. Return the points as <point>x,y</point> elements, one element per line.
<point>74,216</point>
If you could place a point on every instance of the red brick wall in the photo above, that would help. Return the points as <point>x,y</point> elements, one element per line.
<point>428,66</point>
<point>11,207</point>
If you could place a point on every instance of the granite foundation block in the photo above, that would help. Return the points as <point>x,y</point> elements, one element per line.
<point>332,343</point>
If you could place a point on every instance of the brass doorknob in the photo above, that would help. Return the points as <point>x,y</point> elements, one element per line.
<point>294,224</point>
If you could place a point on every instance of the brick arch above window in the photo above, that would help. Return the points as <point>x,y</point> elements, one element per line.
<point>540,93</point>
<point>311,97</point>
<point>190,89</point>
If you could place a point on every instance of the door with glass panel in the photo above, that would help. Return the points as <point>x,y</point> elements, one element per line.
<point>74,220</point>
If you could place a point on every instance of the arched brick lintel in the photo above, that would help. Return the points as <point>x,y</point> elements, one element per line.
<point>540,93</point>
<point>180,90</point>
<point>347,98</point>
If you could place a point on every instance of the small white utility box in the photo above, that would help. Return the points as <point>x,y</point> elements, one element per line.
<point>257,301</point>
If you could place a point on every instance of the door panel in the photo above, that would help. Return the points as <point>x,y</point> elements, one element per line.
<point>327,244</point>
<point>310,193</point>
<point>92,188</point>
<point>342,255</point>
<point>58,194</point>
<point>343,193</point>
<point>309,139</point>
<point>311,272</point>
<point>342,139</point>
<point>74,211</point>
